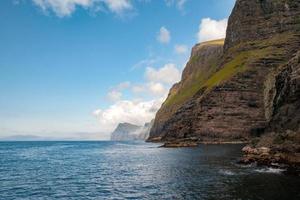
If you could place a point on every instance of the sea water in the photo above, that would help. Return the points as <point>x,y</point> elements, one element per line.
<point>135,170</point>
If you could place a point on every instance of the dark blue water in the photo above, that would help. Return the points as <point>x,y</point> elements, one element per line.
<point>112,170</point>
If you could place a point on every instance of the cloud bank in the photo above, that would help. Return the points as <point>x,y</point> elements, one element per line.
<point>142,108</point>
<point>135,112</point>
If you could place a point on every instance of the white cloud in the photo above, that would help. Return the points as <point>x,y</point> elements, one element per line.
<point>157,89</point>
<point>64,8</point>
<point>210,29</point>
<point>138,88</point>
<point>114,95</point>
<point>135,112</point>
<point>179,3</point>
<point>123,85</point>
<point>118,6</point>
<point>181,49</point>
<point>167,74</point>
<point>164,35</point>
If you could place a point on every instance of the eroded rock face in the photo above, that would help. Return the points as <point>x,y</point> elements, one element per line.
<point>286,103</point>
<point>252,19</point>
<point>235,100</point>
<point>283,131</point>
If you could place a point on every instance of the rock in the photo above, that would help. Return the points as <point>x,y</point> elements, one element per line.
<point>256,151</point>
<point>180,144</point>
<point>249,150</point>
<point>263,150</point>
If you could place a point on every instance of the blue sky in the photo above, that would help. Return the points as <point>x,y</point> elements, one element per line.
<point>76,68</point>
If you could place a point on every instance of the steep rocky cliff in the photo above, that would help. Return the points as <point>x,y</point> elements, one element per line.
<point>282,137</point>
<point>127,131</point>
<point>237,92</point>
<point>202,64</point>
<point>124,131</point>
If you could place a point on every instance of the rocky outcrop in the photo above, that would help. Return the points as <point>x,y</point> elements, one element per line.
<point>279,150</point>
<point>233,94</point>
<point>127,131</point>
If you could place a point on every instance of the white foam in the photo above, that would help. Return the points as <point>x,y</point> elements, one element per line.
<point>226,172</point>
<point>270,170</point>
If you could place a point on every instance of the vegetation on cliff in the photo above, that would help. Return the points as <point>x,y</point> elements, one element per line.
<point>195,81</point>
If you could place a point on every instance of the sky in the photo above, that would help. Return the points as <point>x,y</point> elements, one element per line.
<point>77,68</point>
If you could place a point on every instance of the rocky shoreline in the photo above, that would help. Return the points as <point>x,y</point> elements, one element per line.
<point>274,150</point>
<point>194,142</point>
<point>279,157</point>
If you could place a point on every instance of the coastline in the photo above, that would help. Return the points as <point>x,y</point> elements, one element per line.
<point>261,156</point>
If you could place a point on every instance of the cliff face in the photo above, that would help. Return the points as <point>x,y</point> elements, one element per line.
<point>234,91</point>
<point>202,64</point>
<point>126,132</point>
<point>261,19</point>
<point>282,138</point>
<point>143,133</point>
<point>286,101</point>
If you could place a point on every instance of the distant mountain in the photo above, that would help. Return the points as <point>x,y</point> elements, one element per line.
<point>127,131</point>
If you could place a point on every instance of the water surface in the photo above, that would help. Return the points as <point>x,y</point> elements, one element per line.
<point>133,170</point>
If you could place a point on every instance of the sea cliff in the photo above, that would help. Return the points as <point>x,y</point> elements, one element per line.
<point>127,132</point>
<point>242,89</point>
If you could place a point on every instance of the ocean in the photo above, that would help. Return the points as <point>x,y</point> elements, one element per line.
<point>135,170</point>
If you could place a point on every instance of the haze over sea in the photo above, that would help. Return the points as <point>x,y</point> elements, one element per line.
<point>134,170</point>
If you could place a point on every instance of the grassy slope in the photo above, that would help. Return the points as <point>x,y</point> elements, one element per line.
<point>193,85</point>
<point>239,63</point>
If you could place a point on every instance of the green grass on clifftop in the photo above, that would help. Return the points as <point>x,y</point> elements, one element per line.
<point>192,86</point>
<point>241,60</point>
